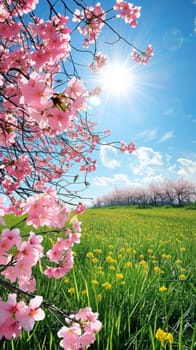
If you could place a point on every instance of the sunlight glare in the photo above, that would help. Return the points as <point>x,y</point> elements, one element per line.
<point>116,79</point>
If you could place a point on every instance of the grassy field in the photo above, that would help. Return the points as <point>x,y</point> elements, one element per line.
<point>136,267</point>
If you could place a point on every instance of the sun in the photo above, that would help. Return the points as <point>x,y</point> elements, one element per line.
<point>117,79</point>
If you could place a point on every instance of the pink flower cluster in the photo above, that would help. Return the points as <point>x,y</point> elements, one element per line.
<point>49,109</point>
<point>54,43</point>
<point>143,57</point>
<point>89,166</point>
<point>23,6</point>
<point>17,170</point>
<point>80,208</point>
<point>100,61</point>
<point>61,252</point>
<point>3,209</point>
<point>93,17</point>
<point>128,12</point>
<point>124,147</point>
<point>25,254</point>
<point>45,209</point>
<point>7,129</point>
<point>81,330</point>
<point>15,316</point>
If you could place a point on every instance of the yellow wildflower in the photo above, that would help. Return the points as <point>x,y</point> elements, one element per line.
<point>182,249</point>
<point>111,268</point>
<point>95,282</point>
<point>166,256</point>
<point>119,276</point>
<point>122,250</point>
<point>109,259</point>
<point>182,277</point>
<point>90,255</point>
<point>163,289</point>
<point>71,290</point>
<point>182,270</point>
<point>98,251</point>
<point>94,260</point>
<point>128,264</point>
<point>178,261</point>
<point>163,336</point>
<point>157,269</point>
<point>107,285</point>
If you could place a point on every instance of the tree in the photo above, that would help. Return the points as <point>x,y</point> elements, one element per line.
<point>178,192</point>
<point>45,131</point>
<point>184,190</point>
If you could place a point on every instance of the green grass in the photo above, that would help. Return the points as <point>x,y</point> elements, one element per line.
<point>125,256</point>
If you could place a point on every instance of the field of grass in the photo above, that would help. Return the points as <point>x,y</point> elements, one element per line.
<point>136,268</point>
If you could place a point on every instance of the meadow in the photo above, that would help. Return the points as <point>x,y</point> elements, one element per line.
<point>136,268</point>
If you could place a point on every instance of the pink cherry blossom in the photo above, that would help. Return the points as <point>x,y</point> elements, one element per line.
<point>12,237</point>
<point>61,270</point>
<point>10,328</point>
<point>4,14</point>
<point>94,18</point>
<point>35,91</point>
<point>128,12</point>
<point>31,313</point>
<point>80,208</point>
<point>100,61</point>
<point>86,314</point>
<point>3,209</point>
<point>70,337</point>
<point>27,284</point>
<point>124,147</point>
<point>7,129</point>
<point>24,6</point>
<point>143,57</point>
<point>10,308</point>
<point>44,209</point>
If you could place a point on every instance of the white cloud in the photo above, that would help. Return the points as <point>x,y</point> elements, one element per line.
<point>146,158</point>
<point>149,134</point>
<point>102,181</point>
<point>187,168</point>
<point>116,180</point>
<point>172,169</point>
<point>168,135</point>
<point>109,157</point>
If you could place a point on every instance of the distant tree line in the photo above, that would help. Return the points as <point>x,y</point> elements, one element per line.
<point>175,193</point>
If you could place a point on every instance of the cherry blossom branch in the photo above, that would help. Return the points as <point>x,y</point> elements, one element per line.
<point>48,305</point>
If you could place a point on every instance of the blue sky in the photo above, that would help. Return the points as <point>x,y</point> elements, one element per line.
<point>158,109</point>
